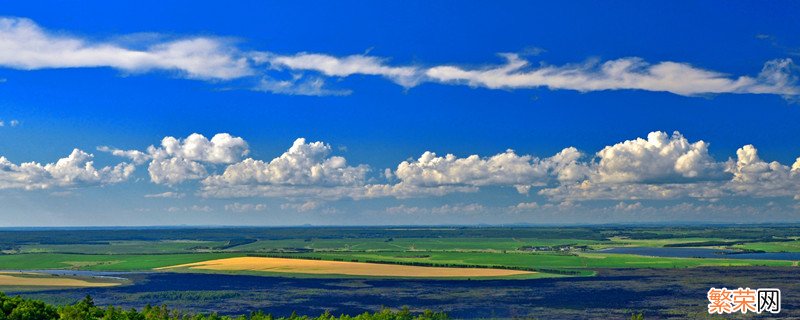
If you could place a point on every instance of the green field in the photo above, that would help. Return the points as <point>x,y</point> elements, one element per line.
<point>120,262</point>
<point>124,247</point>
<point>551,251</point>
<point>409,244</point>
<point>792,246</point>
<point>543,260</point>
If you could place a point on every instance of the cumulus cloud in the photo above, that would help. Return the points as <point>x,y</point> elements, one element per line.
<point>308,170</point>
<point>755,177</point>
<point>503,169</point>
<point>304,164</point>
<point>178,160</point>
<point>431,172</point>
<point>24,45</point>
<point>658,167</point>
<point>222,148</point>
<point>663,167</point>
<point>77,169</point>
<point>659,158</point>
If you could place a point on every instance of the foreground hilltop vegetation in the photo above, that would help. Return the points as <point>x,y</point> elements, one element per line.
<point>18,308</point>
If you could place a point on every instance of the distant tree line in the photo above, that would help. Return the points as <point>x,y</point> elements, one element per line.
<point>18,308</point>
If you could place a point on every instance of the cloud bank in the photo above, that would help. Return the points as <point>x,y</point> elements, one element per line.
<point>658,167</point>
<point>660,173</point>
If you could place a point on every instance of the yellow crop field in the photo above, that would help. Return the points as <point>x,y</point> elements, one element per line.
<point>342,268</point>
<point>38,280</point>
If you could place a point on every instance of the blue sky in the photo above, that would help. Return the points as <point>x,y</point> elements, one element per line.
<point>615,112</point>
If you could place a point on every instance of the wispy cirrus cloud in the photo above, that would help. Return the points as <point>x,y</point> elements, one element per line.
<point>406,76</point>
<point>25,45</point>
<point>631,73</point>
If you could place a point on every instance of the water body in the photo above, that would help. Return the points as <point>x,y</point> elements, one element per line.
<point>680,252</point>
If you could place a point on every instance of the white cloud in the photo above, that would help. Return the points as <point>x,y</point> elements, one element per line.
<point>755,177</point>
<point>245,207</point>
<point>168,194</point>
<point>222,148</point>
<point>304,164</point>
<point>620,74</point>
<point>659,167</point>
<point>525,206</point>
<point>171,171</point>
<point>431,172</point>
<point>302,207</point>
<point>632,73</point>
<point>622,206</point>
<point>11,123</point>
<point>193,208</point>
<point>299,85</point>
<point>136,156</point>
<point>24,45</point>
<point>75,170</point>
<point>659,158</point>
<point>671,168</point>
<point>446,209</point>
<point>405,76</point>
<point>179,160</point>
<point>502,169</point>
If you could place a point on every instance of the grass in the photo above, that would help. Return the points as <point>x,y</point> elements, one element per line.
<point>408,244</point>
<point>625,242</point>
<point>122,247</point>
<point>102,262</point>
<point>542,260</point>
<point>790,246</point>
